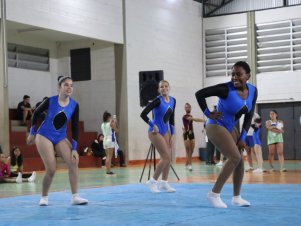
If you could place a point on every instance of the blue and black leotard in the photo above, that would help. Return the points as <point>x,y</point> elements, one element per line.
<point>163,115</point>
<point>54,127</point>
<point>230,104</point>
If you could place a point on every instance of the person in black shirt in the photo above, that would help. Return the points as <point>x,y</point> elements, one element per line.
<point>24,110</point>
<point>44,113</point>
<point>97,148</point>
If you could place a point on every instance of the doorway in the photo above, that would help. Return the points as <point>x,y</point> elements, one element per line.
<point>290,114</point>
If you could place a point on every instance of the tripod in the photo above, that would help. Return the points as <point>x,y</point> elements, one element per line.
<point>152,153</point>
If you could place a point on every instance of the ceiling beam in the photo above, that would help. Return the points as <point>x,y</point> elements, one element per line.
<point>223,3</point>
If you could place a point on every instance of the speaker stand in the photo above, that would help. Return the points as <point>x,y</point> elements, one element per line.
<point>152,154</point>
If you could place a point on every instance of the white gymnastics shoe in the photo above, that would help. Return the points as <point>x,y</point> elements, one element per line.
<point>215,200</point>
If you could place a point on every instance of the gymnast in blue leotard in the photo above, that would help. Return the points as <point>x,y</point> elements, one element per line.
<point>161,134</point>
<point>51,137</point>
<point>235,99</point>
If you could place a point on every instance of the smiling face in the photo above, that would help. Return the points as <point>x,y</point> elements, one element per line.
<point>239,77</point>
<point>66,88</point>
<point>164,88</point>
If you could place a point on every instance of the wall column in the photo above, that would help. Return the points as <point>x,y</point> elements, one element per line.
<point>4,116</point>
<point>251,37</point>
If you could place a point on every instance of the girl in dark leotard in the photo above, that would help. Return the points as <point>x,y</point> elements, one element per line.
<point>161,134</point>
<point>188,134</point>
<point>236,98</point>
<point>51,137</point>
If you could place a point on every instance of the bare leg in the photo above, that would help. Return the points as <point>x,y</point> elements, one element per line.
<point>253,155</point>
<point>224,141</point>
<point>238,173</point>
<point>25,114</point>
<point>279,147</point>
<point>249,157</point>
<point>192,145</point>
<point>109,155</point>
<point>258,153</point>
<point>187,148</point>
<point>161,143</point>
<point>272,149</point>
<point>46,151</point>
<point>63,148</point>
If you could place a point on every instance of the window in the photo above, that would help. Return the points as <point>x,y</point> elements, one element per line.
<point>279,46</point>
<point>27,57</point>
<point>223,48</point>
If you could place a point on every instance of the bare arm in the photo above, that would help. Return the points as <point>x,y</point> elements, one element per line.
<point>114,125</point>
<point>270,127</point>
<point>198,120</point>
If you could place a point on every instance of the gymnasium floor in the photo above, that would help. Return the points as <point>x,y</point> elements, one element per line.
<point>122,200</point>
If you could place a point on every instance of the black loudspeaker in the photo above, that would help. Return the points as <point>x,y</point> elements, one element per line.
<point>80,64</point>
<point>148,85</point>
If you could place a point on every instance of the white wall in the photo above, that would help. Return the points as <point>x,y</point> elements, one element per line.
<point>278,86</point>
<point>229,21</point>
<point>36,84</point>
<point>163,35</point>
<point>98,94</point>
<point>101,19</point>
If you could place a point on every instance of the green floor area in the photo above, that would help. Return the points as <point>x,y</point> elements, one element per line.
<point>96,177</point>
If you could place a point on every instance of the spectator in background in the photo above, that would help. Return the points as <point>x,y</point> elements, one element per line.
<point>109,124</point>
<point>16,165</point>
<point>5,172</point>
<point>98,149</point>
<point>43,115</point>
<point>99,152</point>
<point>121,158</point>
<point>275,139</point>
<point>24,110</point>
<point>257,145</point>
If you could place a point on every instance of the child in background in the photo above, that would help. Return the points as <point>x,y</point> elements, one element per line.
<point>16,166</point>
<point>5,172</point>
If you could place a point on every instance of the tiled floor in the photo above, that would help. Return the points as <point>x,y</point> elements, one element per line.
<point>201,173</point>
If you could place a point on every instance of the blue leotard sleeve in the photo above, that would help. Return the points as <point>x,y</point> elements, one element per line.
<point>37,112</point>
<point>220,90</point>
<point>155,103</point>
<point>172,119</point>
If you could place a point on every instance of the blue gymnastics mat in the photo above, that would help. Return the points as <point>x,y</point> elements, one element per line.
<point>133,204</point>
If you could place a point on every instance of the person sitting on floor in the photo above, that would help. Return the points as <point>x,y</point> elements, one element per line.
<point>16,165</point>
<point>5,172</point>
